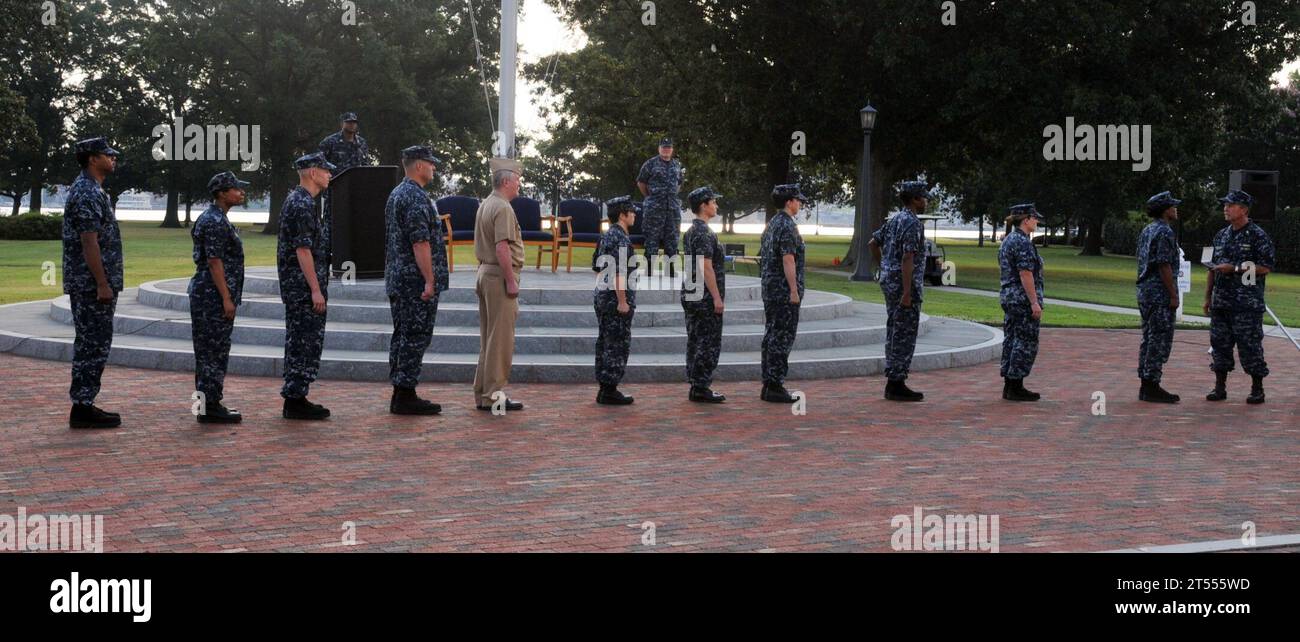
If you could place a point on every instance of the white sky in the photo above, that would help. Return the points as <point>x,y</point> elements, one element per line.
<point>1281,76</point>
<point>541,34</point>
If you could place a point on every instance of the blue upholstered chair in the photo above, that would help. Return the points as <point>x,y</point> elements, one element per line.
<point>580,224</point>
<point>458,214</point>
<point>529,214</point>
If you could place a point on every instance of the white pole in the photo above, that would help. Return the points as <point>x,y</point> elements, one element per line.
<point>506,107</point>
<point>1184,283</point>
<point>1282,327</point>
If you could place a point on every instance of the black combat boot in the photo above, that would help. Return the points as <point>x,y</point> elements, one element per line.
<point>898,391</point>
<point>88,417</point>
<point>1256,390</point>
<point>219,414</point>
<point>1153,393</point>
<point>305,410</point>
<point>776,393</point>
<point>705,395</point>
<point>405,402</point>
<point>1220,391</point>
<point>610,396</point>
<point>1014,390</point>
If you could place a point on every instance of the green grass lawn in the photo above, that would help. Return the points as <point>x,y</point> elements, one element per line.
<point>154,253</point>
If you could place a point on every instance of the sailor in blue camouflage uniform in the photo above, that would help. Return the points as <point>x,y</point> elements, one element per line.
<point>215,292</point>
<point>703,258</point>
<point>344,149</point>
<point>415,274</point>
<point>659,180</point>
<point>899,248</point>
<point>1022,301</point>
<point>780,269</point>
<point>1234,296</point>
<point>303,265</point>
<point>615,300</point>
<point>1158,268</point>
<point>92,279</point>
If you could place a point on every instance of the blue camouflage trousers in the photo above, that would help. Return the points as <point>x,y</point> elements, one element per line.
<point>304,340</point>
<point>703,344</point>
<point>1020,343</point>
<point>211,333</point>
<point>93,322</point>
<point>613,344</point>
<point>1244,329</point>
<point>662,227</point>
<point>781,326</point>
<point>413,320</point>
<point>902,325</point>
<point>1157,339</point>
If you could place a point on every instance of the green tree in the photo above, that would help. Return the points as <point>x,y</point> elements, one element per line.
<point>41,62</point>
<point>740,78</point>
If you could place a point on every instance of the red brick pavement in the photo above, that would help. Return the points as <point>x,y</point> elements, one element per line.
<point>569,475</point>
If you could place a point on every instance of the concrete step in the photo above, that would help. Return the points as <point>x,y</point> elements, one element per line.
<point>27,329</point>
<point>536,288</point>
<point>817,306</point>
<point>866,325</point>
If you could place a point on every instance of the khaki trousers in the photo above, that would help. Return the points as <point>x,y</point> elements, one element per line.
<point>497,314</point>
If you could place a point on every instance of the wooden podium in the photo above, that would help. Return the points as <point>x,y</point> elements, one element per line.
<point>357,197</point>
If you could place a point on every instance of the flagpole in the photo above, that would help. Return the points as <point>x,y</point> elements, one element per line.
<point>506,107</point>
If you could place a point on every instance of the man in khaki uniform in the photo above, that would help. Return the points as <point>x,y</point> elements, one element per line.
<point>497,243</point>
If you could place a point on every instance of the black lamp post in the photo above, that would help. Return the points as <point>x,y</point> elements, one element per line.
<point>862,263</point>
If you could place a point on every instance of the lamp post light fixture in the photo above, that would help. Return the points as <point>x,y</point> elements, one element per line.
<point>862,263</point>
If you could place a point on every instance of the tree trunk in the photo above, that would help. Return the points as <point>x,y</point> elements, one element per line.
<point>34,203</point>
<point>171,218</point>
<point>778,173</point>
<point>18,202</point>
<point>1092,243</point>
<point>981,241</point>
<point>881,179</point>
<point>189,202</point>
<point>278,191</point>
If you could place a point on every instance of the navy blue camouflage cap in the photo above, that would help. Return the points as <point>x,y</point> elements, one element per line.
<point>702,195</point>
<point>1238,197</point>
<point>97,145</point>
<point>788,191</point>
<point>316,159</point>
<point>348,117</point>
<point>620,204</point>
<point>1160,202</point>
<point>666,142</point>
<point>224,181</point>
<point>420,152</point>
<point>1027,210</point>
<point>913,189</point>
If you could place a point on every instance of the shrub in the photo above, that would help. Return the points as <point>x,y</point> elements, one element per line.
<point>31,226</point>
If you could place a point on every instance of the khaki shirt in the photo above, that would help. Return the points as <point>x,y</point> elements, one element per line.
<point>496,222</point>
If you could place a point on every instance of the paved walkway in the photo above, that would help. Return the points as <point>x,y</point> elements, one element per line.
<point>569,475</point>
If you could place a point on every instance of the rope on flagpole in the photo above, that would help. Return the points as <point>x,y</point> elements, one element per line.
<point>478,53</point>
